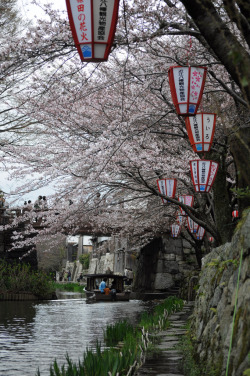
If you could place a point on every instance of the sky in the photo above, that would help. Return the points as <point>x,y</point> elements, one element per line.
<point>28,11</point>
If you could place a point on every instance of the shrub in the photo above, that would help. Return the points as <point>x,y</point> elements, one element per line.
<point>18,278</point>
<point>84,260</point>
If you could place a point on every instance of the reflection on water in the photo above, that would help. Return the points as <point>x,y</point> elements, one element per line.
<point>33,334</point>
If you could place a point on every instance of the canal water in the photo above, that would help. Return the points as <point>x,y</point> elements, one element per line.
<point>33,334</point>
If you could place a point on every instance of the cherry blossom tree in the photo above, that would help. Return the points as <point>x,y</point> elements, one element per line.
<point>103,134</point>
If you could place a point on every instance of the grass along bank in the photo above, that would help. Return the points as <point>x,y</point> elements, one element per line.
<point>70,286</point>
<point>127,346</point>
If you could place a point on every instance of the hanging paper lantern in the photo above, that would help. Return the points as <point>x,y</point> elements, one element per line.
<point>186,85</point>
<point>200,130</point>
<point>187,200</point>
<point>167,187</point>
<point>192,226</point>
<point>235,214</point>
<point>200,233</point>
<point>93,24</point>
<point>181,220</point>
<point>203,174</point>
<point>211,239</point>
<point>175,230</point>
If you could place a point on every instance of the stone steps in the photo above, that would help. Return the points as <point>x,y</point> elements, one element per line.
<point>167,360</point>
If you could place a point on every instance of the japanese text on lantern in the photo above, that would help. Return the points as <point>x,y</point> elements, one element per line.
<point>208,128</point>
<point>196,129</point>
<point>82,18</point>
<point>195,172</point>
<point>102,20</point>
<point>181,85</point>
<point>203,172</point>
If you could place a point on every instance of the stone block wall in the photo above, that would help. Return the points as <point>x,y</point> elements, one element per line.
<point>212,322</point>
<point>158,266</point>
<point>162,264</point>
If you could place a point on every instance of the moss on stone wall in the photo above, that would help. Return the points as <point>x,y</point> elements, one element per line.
<point>212,322</point>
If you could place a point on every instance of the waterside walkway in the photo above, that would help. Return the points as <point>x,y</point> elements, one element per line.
<point>167,361</point>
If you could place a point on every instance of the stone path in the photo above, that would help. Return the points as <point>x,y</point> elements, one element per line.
<point>167,361</point>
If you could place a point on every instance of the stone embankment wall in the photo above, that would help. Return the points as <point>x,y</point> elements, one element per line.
<point>212,322</point>
<point>163,264</point>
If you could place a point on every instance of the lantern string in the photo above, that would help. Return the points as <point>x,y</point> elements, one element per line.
<point>189,47</point>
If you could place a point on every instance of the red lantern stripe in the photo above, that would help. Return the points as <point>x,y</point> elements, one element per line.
<point>235,214</point>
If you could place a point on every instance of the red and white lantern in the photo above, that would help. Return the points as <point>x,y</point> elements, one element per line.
<point>186,85</point>
<point>175,230</point>
<point>235,214</point>
<point>187,200</point>
<point>93,25</point>
<point>203,173</point>
<point>192,226</point>
<point>200,233</point>
<point>181,220</point>
<point>167,187</point>
<point>211,239</point>
<point>200,130</point>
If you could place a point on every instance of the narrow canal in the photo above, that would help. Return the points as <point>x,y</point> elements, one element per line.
<point>33,334</point>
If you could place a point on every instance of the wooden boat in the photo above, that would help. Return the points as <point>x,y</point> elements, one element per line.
<point>92,289</point>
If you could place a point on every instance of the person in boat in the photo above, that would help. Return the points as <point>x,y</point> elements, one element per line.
<point>106,290</point>
<point>113,290</point>
<point>102,285</point>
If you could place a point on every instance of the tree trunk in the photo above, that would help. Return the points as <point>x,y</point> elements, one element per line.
<point>222,199</point>
<point>240,148</point>
<point>231,53</point>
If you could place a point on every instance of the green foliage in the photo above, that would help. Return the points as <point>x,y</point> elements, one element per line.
<point>243,219</point>
<point>247,371</point>
<point>241,192</point>
<point>116,333</point>
<point>84,260</point>
<point>18,278</point>
<point>73,287</point>
<point>214,310</point>
<point>191,364</point>
<point>222,265</point>
<point>158,320</point>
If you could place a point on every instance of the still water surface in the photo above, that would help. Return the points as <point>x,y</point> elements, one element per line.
<point>33,334</point>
